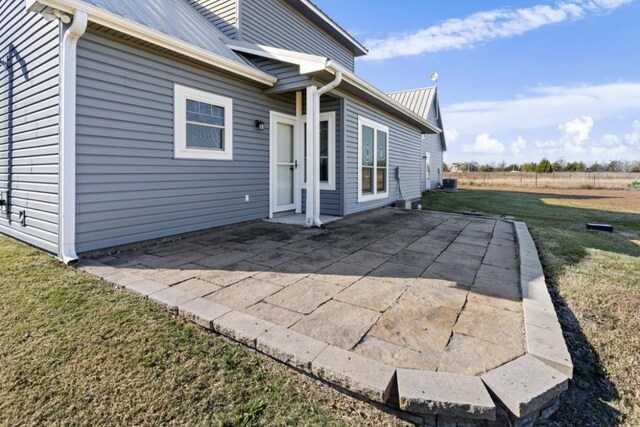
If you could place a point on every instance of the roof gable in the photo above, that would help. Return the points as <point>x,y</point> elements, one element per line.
<point>420,101</point>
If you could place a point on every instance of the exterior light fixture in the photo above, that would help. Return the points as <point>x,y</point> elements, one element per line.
<point>260,125</point>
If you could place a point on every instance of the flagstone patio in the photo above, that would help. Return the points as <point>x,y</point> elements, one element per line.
<point>409,289</point>
<point>383,294</point>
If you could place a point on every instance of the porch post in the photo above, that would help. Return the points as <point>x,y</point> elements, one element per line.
<point>300,155</point>
<point>313,136</point>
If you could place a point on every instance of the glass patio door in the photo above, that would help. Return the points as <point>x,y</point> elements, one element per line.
<point>284,164</point>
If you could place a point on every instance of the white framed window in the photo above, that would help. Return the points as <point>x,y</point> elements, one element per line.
<point>373,160</point>
<point>202,125</point>
<point>327,161</point>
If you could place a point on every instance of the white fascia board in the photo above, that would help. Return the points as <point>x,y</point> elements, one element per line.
<point>307,63</point>
<point>158,38</point>
<point>351,78</point>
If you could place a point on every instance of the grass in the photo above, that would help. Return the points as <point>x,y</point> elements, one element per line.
<point>594,279</point>
<point>74,351</point>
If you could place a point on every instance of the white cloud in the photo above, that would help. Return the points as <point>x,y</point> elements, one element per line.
<point>484,145</point>
<point>518,146</point>
<point>577,131</point>
<point>544,107</point>
<point>610,140</point>
<point>607,153</point>
<point>484,26</point>
<point>633,138</point>
<point>451,135</point>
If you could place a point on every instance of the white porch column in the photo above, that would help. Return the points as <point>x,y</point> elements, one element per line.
<point>313,154</point>
<point>300,155</point>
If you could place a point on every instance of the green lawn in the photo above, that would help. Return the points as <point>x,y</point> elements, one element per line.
<point>595,281</point>
<point>74,351</point>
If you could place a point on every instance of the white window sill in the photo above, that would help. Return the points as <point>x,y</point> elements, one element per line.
<point>192,154</point>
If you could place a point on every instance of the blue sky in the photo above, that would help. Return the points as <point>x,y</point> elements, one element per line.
<point>518,80</point>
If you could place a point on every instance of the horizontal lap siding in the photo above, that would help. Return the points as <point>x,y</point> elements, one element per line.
<point>404,151</point>
<point>331,201</point>
<point>221,13</point>
<point>29,98</point>
<point>129,187</point>
<point>432,143</point>
<point>273,23</point>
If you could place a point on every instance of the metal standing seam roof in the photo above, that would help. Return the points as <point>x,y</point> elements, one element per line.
<point>174,18</point>
<point>417,100</point>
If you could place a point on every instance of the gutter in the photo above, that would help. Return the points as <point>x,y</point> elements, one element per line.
<point>335,68</point>
<point>67,154</point>
<point>102,17</point>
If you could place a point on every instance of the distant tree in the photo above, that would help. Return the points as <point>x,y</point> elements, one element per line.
<point>529,167</point>
<point>596,167</point>
<point>575,167</point>
<point>544,166</point>
<point>615,166</point>
<point>487,168</point>
<point>501,166</point>
<point>559,165</point>
<point>473,166</point>
<point>635,167</point>
<point>513,167</point>
<point>445,167</point>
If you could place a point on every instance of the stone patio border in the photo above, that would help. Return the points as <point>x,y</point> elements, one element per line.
<point>528,387</point>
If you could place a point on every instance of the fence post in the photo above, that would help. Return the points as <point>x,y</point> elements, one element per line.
<point>536,179</point>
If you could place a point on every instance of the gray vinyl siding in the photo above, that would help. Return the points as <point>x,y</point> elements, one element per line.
<point>404,151</point>
<point>331,200</point>
<point>274,23</point>
<point>432,143</point>
<point>129,186</point>
<point>29,98</point>
<point>221,13</point>
<point>288,75</point>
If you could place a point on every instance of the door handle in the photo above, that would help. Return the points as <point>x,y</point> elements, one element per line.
<point>295,164</point>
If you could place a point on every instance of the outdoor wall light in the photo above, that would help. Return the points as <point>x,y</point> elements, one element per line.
<point>259,125</point>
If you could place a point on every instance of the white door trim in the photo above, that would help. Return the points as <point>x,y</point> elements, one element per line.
<point>274,119</point>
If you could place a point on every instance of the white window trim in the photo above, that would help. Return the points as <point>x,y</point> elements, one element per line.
<point>331,184</point>
<point>363,121</point>
<point>427,172</point>
<point>180,149</point>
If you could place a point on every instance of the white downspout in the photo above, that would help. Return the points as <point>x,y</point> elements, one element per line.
<point>67,155</point>
<point>313,149</point>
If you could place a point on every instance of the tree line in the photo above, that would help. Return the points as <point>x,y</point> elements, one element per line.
<point>546,166</point>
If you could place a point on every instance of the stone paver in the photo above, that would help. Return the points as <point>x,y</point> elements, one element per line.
<point>338,323</point>
<point>372,294</point>
<point>416,326</point>
<point>274,314</point>
<point>444,394</point>
<point>171,298</point>
<point>202,312</point>
<point>354,372</point>
<point>145,287</point>
<point>197,287</point>
<point>471,356</point>
<point>304,296</point>
<point>290,347</point>
<point>244,293</point>
<point>525,385</point>
<point>342,274</point>
<point>491,324</point>
<point>395,355</point>
<point>241,327</point>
